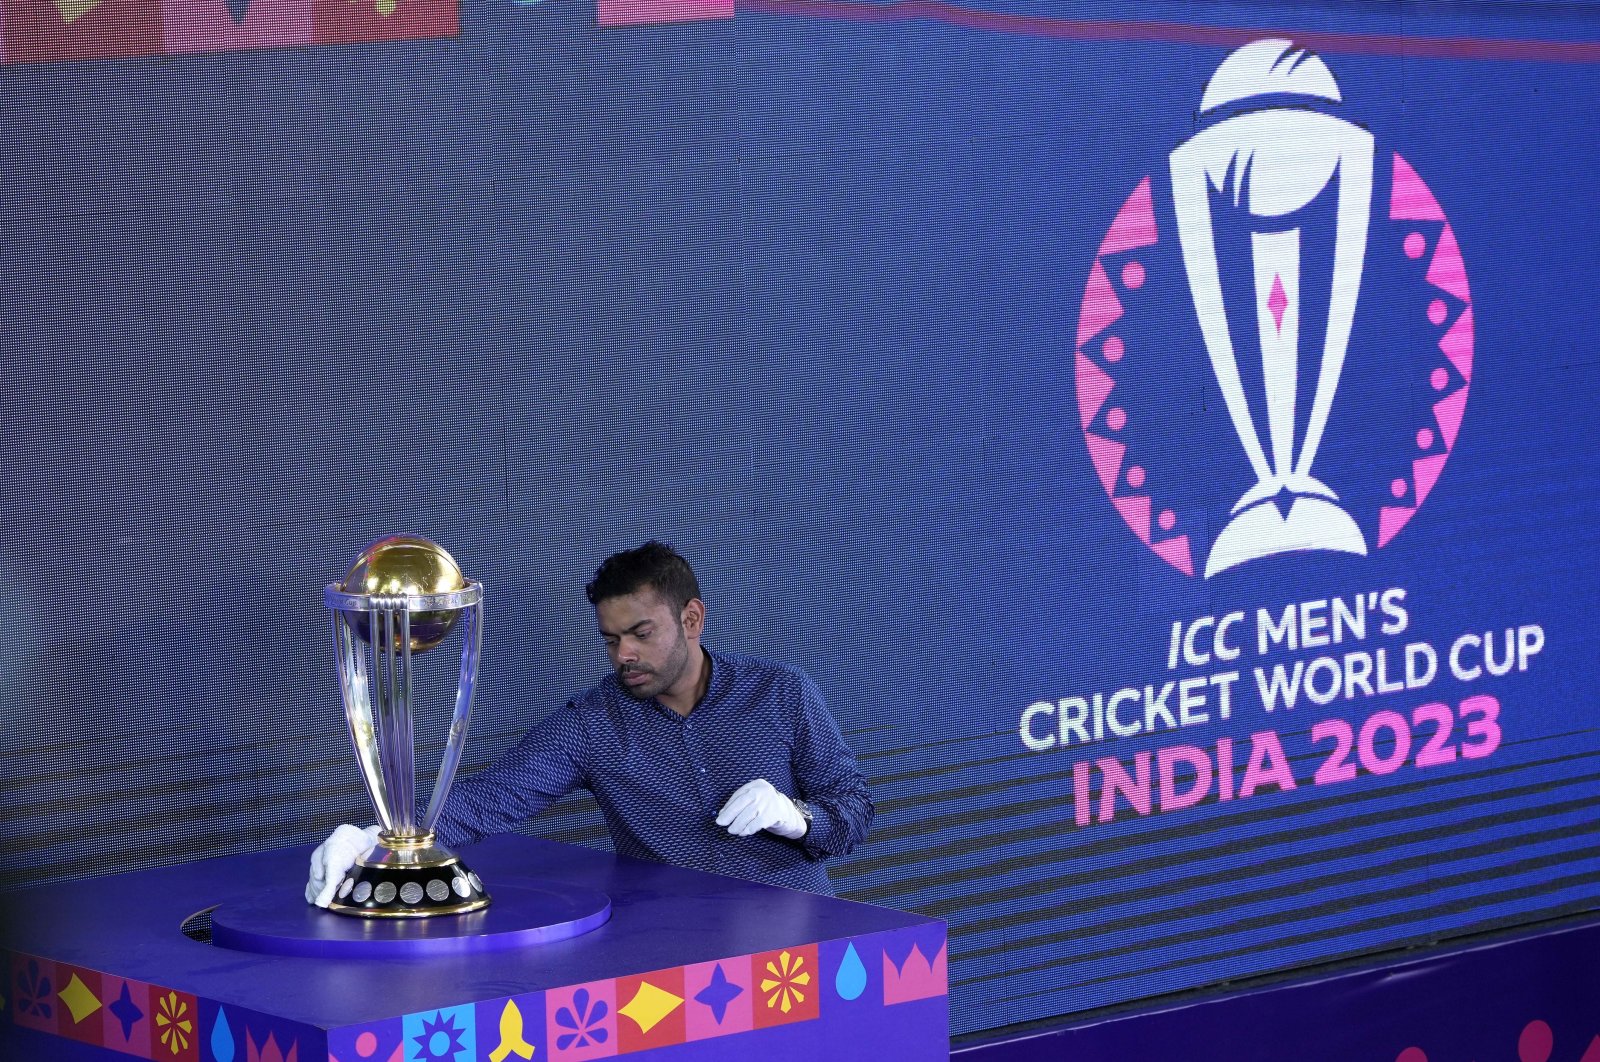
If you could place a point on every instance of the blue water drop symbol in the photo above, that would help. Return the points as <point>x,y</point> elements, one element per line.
<point>851,980</point>
<point>222,1038</point>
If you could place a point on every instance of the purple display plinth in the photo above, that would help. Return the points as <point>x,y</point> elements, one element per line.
<point>689,967</point>
<point>272,923</point>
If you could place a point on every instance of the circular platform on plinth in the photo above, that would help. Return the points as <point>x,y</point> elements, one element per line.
<point>519,916</point>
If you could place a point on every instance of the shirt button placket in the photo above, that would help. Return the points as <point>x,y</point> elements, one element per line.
<point>697,769</point>
<point>691,746</point>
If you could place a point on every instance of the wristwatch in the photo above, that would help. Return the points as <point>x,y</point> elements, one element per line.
<point>805,811</point>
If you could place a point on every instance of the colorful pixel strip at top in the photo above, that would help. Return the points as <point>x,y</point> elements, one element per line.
<point>66,30</point>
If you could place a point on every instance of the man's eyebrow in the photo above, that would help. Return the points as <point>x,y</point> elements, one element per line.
<point>631,630</point>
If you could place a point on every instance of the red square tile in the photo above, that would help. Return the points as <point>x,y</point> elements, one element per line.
<point>358,21</point>
<point>650,1010</point>
<point>651,12</point>
<point>788,985</point>
<point>45,30</point>
<point>82,1005</point>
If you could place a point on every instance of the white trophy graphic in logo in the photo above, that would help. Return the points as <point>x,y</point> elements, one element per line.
<point>1233,404</point>
<point>1272,156</point>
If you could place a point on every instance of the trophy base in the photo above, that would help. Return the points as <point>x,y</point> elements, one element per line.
<point>533,912</point>
<point>388,884</point>
<point>1262,531</point>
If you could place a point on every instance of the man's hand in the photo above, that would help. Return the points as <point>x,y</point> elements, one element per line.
<point>333,859</point>
<point>758,806</point>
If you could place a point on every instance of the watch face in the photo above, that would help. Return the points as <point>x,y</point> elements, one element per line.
<point>804,809</point>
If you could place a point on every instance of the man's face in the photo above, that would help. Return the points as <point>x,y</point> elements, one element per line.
<point>646,641</point>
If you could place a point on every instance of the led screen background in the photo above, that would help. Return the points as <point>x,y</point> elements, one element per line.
<point>802,292</point>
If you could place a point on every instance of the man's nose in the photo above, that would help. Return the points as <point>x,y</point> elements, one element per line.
<point>627,651</point>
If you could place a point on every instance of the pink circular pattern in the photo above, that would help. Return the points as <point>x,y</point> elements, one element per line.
<point>1167,519</point>
<point>1536,1042</point>
<point>1440,379</point>
<point>1398,488</point>
<point>1113,349</point>
<point>1415,245</point>
<point>1117,419</point>
<point>1136,477</point>
<point>1437,311</point>
<point>1424,438</point>
<point>366,1044</point>
<point>1412,1054</point>
<point>1133,276</point>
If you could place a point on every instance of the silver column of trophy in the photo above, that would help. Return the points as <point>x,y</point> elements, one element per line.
<point>401,598</point>
<point>1270,154</point>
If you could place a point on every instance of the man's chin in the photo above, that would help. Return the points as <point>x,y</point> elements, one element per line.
<point>643,691</point>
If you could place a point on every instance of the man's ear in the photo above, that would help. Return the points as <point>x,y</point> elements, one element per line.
<point>693,617</point>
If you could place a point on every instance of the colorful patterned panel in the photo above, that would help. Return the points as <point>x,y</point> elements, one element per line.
<point>720,996</point>
<point>840,984</point>
<point>513,1030</point>
<point>177,1026</point>
<point>359,21</point>
<point>581,1021</point>
<point>650,1010</point>
<point>125,1020</point>
<point>163,1025</point>
<point>227,25</point>
<point>445,1035</point>
<point>915,966</point>
<point>788,986</point>
<point>79,994</point>
<point>47,30</point>
<point>379,1041</point>
<point>234,1034</point>
<point>648,12</point>
<point>33,988</point>
<point>57,30</point>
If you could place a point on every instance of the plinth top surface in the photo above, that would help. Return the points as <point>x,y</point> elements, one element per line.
<point>661,916</point>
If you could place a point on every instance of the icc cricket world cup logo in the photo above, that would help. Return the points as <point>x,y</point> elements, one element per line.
<point>1268,221</point>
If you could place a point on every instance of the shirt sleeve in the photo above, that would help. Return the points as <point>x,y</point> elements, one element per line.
<point>829,780</point>
<point>547,764</point>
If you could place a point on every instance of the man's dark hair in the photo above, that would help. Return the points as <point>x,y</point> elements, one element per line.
<point>654,564</point>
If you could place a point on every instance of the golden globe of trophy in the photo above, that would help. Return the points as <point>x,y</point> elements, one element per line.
<point>402,597</point>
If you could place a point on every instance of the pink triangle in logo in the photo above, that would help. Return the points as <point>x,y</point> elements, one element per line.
<point>1175,551</point>
<point>1446,270</point>
<point>1107,458</point>
<point>1135,225</point>
<point>1136,511</point>
<point>1448,411</point>
<point>1093,387</point>
<point>1101,307</point>
<point>1425,471</point>
<point>1410,199</point>
<point>1457,344</point>
<point>1390,521</point>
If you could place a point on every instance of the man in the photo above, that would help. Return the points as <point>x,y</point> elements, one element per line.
<point>713,761</point>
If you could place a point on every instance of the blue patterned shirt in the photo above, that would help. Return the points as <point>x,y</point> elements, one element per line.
<point>660,778</point>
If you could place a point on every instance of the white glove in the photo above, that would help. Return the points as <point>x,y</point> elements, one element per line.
<point>333,859</point>
<point>758,806</point>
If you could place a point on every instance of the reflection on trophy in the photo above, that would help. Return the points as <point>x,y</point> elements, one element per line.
<point>1269,157</point>
<point>403,597</point>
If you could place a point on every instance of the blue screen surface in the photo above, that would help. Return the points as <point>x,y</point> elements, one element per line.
<point>1171,453</point>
